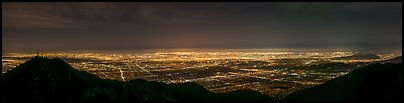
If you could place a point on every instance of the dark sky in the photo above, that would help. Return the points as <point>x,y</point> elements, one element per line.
<point>85,26</point>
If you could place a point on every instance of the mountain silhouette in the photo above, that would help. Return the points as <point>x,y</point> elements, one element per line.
<point>50,79</point>
<point>375,82</point>
<point>43,79</point>
<point>359,56</point>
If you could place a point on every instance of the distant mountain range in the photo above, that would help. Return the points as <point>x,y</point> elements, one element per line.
<point>394,60</point>
<point>359,56</point>
<point>43,79</point>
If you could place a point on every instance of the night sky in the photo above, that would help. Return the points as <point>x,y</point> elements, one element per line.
<point>115,26</point>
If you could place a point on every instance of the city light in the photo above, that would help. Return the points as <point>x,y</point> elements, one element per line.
<point>273,73</point>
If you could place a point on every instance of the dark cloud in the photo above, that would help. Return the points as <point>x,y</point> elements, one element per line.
<point>28,26</point>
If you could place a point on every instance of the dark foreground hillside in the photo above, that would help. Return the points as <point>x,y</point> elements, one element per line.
<point>375,82</point>
<point>46,79</point>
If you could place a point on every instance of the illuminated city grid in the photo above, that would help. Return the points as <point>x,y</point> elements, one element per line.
<point>274,73</point>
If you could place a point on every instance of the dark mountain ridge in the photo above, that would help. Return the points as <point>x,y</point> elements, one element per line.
<point>375,82</point>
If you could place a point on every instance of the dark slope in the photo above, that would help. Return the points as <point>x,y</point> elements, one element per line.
<point>50,79</point>
<point>188,91</point>
<point>375,82</point>
<point>54,80</point>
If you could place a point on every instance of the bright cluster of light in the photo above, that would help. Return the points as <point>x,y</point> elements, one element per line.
<point>218,71</point>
